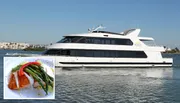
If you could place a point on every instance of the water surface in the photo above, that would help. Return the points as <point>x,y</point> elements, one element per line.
<point>112,85</point>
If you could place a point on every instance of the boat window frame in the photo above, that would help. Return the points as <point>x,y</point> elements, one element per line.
<point>98,40</point>
<point>99,53</point>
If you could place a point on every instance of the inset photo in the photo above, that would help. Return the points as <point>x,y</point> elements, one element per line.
<point>29,78</point>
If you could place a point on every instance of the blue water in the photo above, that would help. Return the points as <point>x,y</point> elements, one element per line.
<point>112,85</point>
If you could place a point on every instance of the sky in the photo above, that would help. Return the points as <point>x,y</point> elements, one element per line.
<point>46,21</point>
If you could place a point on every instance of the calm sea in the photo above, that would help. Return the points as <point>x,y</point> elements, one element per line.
<point>112,85</point>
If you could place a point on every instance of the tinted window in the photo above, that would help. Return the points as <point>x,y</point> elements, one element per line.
<point>92,40</point>
<point>52,52</point>
<point>98,53</point>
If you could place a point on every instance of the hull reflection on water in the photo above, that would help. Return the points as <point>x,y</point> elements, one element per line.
<point>117,84</point>
<point>143,72</point>
<point>160,72</point>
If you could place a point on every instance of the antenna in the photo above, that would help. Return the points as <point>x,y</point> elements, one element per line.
<point>97,28</point>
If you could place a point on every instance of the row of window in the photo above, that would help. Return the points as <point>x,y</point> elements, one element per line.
<point>97,53</point>
<point>94,40</point>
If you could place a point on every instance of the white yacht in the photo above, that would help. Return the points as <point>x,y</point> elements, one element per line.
<point>107,49</point>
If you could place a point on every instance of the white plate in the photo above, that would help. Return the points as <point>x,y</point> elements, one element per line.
<point>27,93</point>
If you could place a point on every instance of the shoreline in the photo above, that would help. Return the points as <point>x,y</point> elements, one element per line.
<point>10,49</point>
<point>25,49</point>
<point>172,53</point>
<point>34,49</point>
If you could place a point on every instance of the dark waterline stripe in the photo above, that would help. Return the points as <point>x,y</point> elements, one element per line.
<point>113,63</point>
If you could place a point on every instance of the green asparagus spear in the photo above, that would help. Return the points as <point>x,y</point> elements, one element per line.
<point>37,79</point>
<point>44,75</point>
<point>49,81</point>
<point>36,72</point>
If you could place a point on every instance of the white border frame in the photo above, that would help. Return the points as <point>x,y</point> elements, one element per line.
<point>4,80</point>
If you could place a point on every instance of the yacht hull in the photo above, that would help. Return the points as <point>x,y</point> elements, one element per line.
<point>111,62</point>
<point>66,61</point>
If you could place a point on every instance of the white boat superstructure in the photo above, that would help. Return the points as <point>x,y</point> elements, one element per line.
<point>107,49</point>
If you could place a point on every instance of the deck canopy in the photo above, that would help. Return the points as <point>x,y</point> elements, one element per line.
<point>145,38</point>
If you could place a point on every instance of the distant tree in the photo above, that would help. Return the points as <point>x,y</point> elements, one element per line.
<point>176,49</point>
<point>173,51</point>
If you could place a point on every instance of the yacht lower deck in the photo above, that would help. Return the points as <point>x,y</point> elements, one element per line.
<point>67,61</point>
<point>111,62</point>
